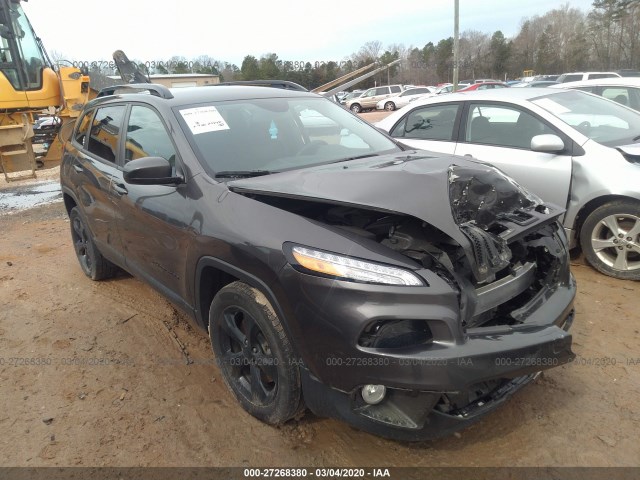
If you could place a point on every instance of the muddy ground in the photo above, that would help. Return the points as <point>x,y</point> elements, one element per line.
<point>95,374</point>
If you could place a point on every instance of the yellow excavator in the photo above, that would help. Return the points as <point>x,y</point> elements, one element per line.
<point>30,84</point>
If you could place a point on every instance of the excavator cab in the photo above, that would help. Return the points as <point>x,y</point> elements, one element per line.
<point>29,84</point>
<point>27,78</point>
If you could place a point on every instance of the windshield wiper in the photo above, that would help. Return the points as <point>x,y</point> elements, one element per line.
<point>242,173</point>
<point>635,139</point>
<point>357,157</point>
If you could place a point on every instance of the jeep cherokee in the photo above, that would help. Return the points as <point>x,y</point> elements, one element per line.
<point>405,292</point>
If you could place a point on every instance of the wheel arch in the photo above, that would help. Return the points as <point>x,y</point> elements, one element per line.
<point>212,274</point>
<point>592,205</point>
<point>69,200</point>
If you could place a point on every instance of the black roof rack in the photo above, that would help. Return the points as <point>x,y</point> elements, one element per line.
<point>153,88</point>
<point>285,84</point>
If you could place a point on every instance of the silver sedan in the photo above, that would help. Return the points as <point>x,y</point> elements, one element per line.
<point>571,148</point>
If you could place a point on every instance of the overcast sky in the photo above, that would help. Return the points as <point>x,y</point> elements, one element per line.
<point>293,29</point>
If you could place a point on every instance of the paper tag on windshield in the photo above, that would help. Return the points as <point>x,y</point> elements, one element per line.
<point>204,119</point>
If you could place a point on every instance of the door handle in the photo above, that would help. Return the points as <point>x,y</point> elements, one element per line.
<point>120,188</point>
<point>468,155</point>
<point>78,168</point>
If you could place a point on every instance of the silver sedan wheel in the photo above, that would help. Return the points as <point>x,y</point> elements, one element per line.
<point>616,242</point>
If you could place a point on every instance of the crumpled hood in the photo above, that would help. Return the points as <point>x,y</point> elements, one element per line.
<point>459,197</point>
<point>411,183</point>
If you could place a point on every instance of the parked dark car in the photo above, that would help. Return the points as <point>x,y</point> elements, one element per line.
<point>404,292</point>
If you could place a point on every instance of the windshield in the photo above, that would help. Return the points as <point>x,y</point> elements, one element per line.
<point>21,58</point>
<point>601,120</point>
<point>276,134</point>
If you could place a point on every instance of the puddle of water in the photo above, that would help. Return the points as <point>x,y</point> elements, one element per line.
<point>28,196</point>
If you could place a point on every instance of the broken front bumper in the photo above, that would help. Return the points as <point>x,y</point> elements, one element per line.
<point>433,392</point>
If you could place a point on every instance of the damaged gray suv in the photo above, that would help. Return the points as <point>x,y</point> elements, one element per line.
<point>405,292</point>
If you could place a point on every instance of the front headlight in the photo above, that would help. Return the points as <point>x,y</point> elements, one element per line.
<point>353,269</point>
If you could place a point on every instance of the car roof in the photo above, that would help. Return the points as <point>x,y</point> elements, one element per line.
<point>207,94</point>
<point>587,72</point>
<point>500,94</point>
<point>616,81</point>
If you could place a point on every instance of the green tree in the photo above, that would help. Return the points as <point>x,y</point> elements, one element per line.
<point>500,51</point>
<point>545,52</point>
<point>269,66</point>
<point>444,57</point>
<point>386,58</point>
<point>250,68</point>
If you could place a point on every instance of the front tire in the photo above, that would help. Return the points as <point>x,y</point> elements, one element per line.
<point>356,108</point>
<point>254,354</point>
<point>93,264</point>
<point>389,106</point>
<point>610,239</point>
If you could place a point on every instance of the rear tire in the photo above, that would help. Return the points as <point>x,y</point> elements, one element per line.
<point>93,264</point>
<point>610,239</point>
<point>254,354</point>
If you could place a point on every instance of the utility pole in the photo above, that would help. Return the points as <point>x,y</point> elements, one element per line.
<point>456,34</point>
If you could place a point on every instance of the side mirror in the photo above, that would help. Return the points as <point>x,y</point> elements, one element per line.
<point>547,143</point>
<point>150,171</point>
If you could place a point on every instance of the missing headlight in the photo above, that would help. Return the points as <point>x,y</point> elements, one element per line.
<point>396,334</point>
<point>480,195</point>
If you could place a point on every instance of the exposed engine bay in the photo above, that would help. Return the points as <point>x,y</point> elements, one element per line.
<point>517,251</point>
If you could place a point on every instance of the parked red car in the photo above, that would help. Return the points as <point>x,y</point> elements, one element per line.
<point>484,86</point>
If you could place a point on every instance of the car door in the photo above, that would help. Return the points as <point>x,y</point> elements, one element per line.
<point>92,156</point>
<point>367,99</point>
<point>380,93</point>
<point>152,219</point>
<point>500,134</point>
<point>429,127</point>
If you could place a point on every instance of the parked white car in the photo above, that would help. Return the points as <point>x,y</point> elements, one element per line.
<point>47,123</point>
<point>571,148</point>
<point>402,99</point>
<point>624,90</point>
<point>579,76</point>
<point>448,88</point>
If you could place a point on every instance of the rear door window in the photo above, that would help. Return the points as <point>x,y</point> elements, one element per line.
<point>395,89</point>
<point>83,127</point>
<point>432,122</point>
<point>623,95</point>
<point>572,78</point>
<point>600,75</point>
<point>104,138</point>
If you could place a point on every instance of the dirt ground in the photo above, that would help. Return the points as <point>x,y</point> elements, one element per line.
<point>95,374</point>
